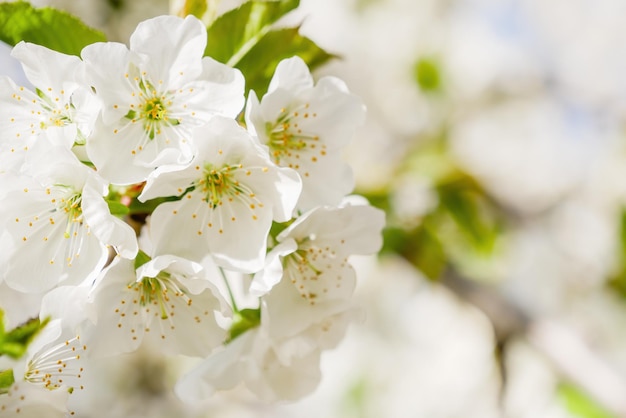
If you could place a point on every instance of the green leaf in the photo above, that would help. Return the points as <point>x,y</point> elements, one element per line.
<point>196,8</point>
<point>25,332</point>
<point>579,404</point>
<point>429,257</point>
<point>465,203</point>
<point>243,38</point>
<point>617,281</point>
<point>259,64</point>
<point>46,26</point>
<point>420,246</point>
<point>233,34</point>
<point>15,342</point>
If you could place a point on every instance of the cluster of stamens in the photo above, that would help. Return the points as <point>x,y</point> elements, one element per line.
<point>150,105</point>
<point>46,107</point>
<point>156,291</point>
<point>74,212</point>
<point>312,270</point>
<point>70,206</point>
<point>58,366</point>
<point>65,208</point>
<point>218,184</point>
<point>289,143</point>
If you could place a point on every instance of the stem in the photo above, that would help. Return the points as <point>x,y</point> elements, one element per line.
<point>230,292</point>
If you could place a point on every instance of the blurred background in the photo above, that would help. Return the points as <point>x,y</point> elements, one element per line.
<point>495,144</point>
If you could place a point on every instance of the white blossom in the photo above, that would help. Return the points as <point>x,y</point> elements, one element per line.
<point>54,362</point>
<point>58,212</point>
<point>308,274</point>
<point>155,127</point>
<point>273,369</point>
<point>49,377</point>
<point>153,95</point>
<point>169,301</point>
<point>59,104</point>
<point>305,126</point>
<point>229,195</point>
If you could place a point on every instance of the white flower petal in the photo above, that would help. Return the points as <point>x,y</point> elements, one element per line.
<point>318,174</point>
<point>350,229</point>
<point>113,156</point>
<point>302,298</point>
<point>226,87</point>
<point>18,307</point>
<point>118,328</point>
<point>174,230</point>
<point>180,43</point>
<point>272,273</point>
<point>253,116</point>
<point>69,304</point>
<point>50,71</point>
<point>276,381</point>
<point>106,227</point>
<point>107,69</point>
<point>221,370</point>
<point>317,279</point>
<point>32,401</point>
<point>291,74</point>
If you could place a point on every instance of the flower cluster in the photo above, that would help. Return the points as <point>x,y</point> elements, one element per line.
<point>140,206</point>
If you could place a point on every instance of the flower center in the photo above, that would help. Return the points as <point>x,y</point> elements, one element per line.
<point>72,207</point>
<point>153,110</point>
<point>156,291</point>
<point>219,183</point>
<point>286,137</point>
<point>153,114</point>
<point>315,272</point>
<point>150,105</point>
<point>58,114</point>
